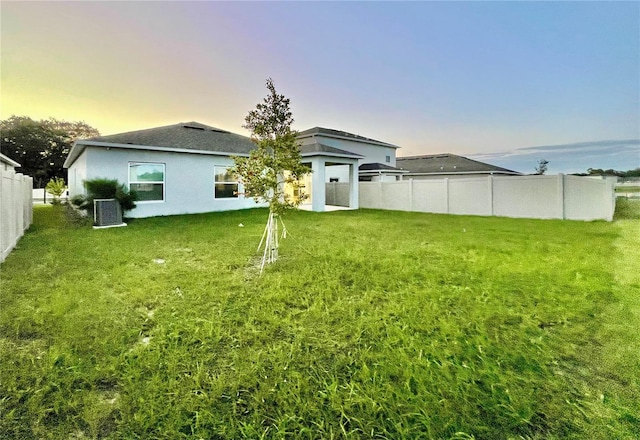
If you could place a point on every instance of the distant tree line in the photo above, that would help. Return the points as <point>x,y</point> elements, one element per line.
<point>41,147</point>
<point>600,172</point>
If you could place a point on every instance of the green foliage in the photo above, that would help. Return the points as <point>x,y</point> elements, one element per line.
<point>450,327</point>
<point>276,160</point>
<point>105,189</point>
<point>41,147</point>
<point>611,172</point>
<point>56,187</point>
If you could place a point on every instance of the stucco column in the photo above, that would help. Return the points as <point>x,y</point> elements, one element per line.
<point>318,186</point>
<point>353,186</point>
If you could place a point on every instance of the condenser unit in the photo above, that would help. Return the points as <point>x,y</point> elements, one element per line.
<point>107,213</point>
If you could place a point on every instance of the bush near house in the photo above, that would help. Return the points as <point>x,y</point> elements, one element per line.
<point>105,189</point>
<point>373,324</point>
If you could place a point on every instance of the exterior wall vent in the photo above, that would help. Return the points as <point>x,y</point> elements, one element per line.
<point>107,213</point>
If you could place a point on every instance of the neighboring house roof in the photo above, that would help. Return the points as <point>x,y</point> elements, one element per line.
<point>8,161</point>
<point>326,150</point>
<point>328,132</point>
<point>379,168</point>
<point>448,164</point>
<point>185,136</point>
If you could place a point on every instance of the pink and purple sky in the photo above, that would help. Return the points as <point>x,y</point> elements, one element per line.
<point>506,82</point>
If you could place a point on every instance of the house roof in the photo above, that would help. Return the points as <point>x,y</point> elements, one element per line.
<point>326,150</point>
<point>379,167</point>
<point>448,164</point>
<point>189,136</point>
<point>338,134</point>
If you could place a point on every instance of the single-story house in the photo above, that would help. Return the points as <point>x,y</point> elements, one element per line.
<point>183,168</point>
<point>438,166</point>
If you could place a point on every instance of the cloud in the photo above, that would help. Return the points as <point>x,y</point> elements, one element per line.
<point>569,158</point>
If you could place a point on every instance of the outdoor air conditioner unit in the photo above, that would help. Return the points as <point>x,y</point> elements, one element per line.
<point>107,213</point>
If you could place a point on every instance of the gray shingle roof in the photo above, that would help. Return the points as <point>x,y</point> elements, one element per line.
<point>320,131</point>
<point>321,148</point>
<point>191,136</point>
<point>379,167</point>
<point>185,135</point>
<point>447,164</point>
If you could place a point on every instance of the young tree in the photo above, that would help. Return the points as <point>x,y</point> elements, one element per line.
<point>542,167</point>
<point>56,187</point>
<point>272,165</point>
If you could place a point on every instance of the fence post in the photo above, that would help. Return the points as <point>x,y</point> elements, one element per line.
<point>561,196</point>
<point>27,201</point>
<point>380,195</point>
<point>410,194</point>
<point>490,182</point>
<point>16,204</point>
<point>446,185</point>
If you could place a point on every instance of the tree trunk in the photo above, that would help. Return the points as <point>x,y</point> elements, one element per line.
<point>270,240</point>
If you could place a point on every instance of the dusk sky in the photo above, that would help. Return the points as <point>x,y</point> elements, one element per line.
<point>506,82</point>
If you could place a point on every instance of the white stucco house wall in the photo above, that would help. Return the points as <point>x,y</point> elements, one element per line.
<point>182,168</point>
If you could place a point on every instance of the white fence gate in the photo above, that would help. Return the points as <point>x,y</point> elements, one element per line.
<point>16,208</point>
<point>545,197</point>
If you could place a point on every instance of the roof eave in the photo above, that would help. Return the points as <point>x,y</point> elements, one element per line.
<point>325,153</point>
<point>74,153</point>
<point>86,143</point>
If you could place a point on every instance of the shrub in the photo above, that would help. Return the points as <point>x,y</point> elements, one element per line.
<point>105,189</point>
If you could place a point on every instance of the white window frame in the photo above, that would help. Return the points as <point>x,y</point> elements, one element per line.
<point>215,182</point>
<point>163,182</point>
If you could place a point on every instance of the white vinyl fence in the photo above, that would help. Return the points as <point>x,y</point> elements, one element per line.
<point>545,197</point>
<point>40,196</point>
<point>16,210</point>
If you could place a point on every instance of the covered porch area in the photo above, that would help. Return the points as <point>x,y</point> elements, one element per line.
<point>318,157</point>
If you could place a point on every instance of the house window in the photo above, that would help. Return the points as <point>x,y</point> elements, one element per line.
<point>226,185</point>
<point>387,159</point>
<point>147,180</point>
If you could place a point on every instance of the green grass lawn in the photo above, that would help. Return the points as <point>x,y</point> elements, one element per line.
<point>627,209</point>
<point>373,324</point>
<point>628,189</point>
